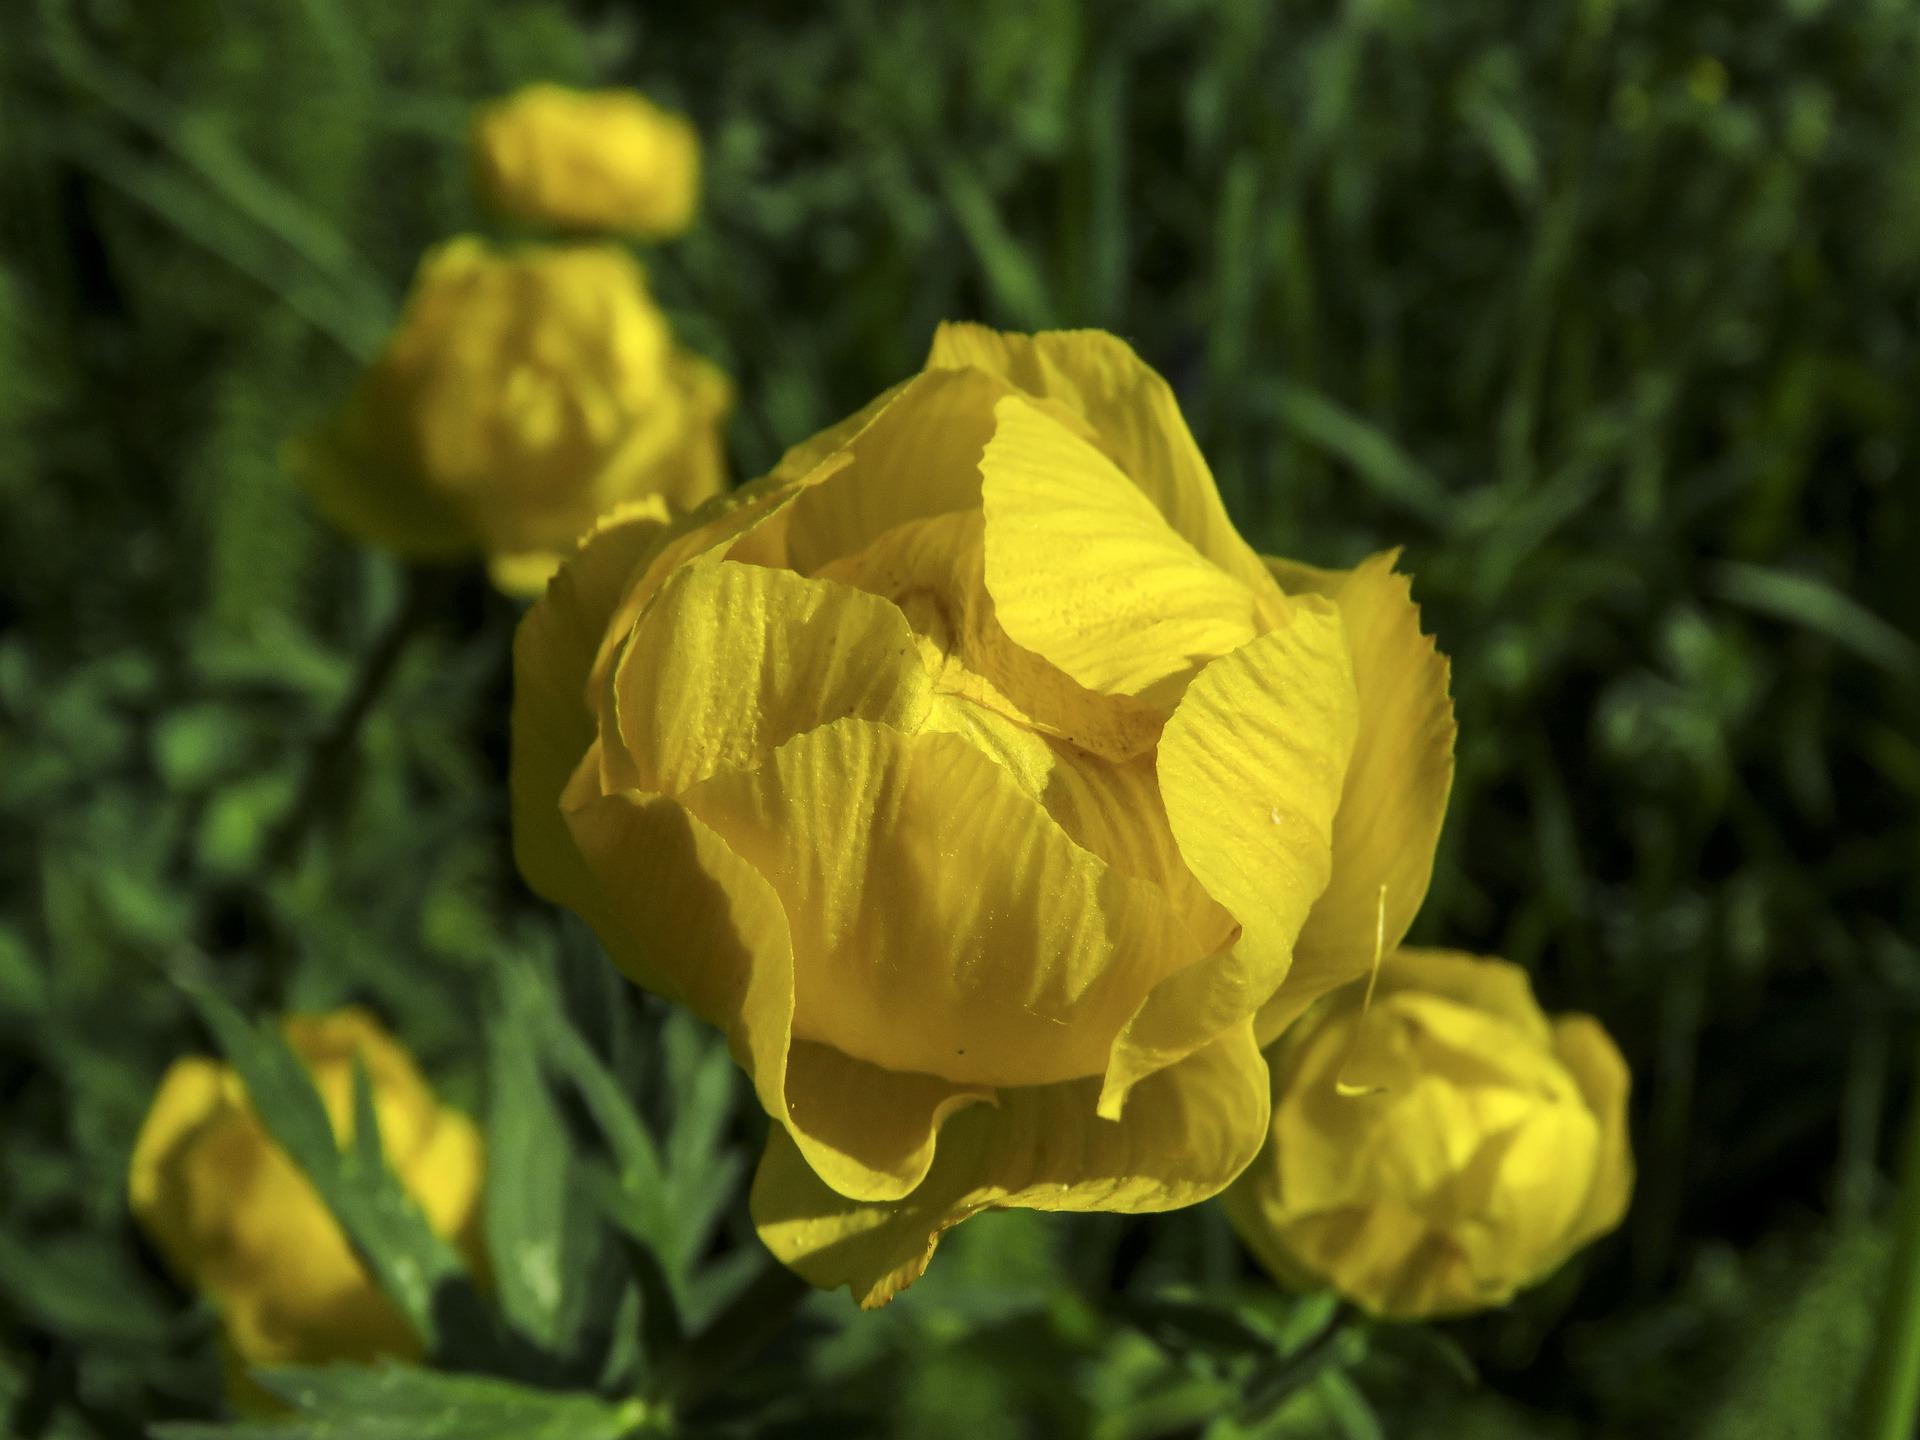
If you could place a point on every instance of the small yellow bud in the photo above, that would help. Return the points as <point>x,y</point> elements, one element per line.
<point>606,160</point>
<point>236,1220</point>
<point>1474,1146</point>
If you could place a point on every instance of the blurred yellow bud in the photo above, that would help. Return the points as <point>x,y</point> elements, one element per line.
<point>606,160</point>
<point>524,394</point>
<point>236,1220</point>
<point>1444,1148</point>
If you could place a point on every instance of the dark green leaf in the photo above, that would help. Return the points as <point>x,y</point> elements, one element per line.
<point>528,1177</point>
<point>394,1402</point>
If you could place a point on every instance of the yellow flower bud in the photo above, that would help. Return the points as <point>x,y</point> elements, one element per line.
<point>606,160</point>
<point>235,1219</point>
<point>992,794</point>
<point>524,394</point>
<point>1441,1149</point>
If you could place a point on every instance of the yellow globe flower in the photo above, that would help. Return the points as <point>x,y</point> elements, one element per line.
<point>1444,1148</point>
<point>972,773</point>
<point>237,1221</point>
<point>605,160</point>
<point>524,394</point>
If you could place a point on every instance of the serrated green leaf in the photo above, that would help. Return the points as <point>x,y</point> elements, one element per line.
<point>619,1122</point>
<point>395,1402</point>
<point>702,1175</point>
<point>528,1176</point>
<point>643,1218</point>
<point>1349,1408</point>
<point>84,1288</point>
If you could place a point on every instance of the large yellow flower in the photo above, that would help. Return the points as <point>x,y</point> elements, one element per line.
<point>977,778</point>
<point>606,160</point>
<point>524,394</point>
<point>1439,1150</point>
<point>237,1221</point>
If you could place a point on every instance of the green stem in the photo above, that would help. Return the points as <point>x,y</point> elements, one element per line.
<point>1890,1396</point>
<point>736,1335</point>
<point>334,747</point>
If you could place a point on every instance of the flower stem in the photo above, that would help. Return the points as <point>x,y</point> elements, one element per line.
<point>1890,1395</point>
<point>736,1335</point>
<point>334,747</point>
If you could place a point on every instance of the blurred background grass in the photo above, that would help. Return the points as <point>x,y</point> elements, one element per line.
<point>1609,312</point>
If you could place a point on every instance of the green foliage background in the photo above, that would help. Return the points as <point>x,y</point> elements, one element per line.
<point>1608,311</point>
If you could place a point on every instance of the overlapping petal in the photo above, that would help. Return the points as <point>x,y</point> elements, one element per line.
<point>1436,1151</point>
<point>552,723</point>
<point>1502,990</point>
<point>1250,769</point>
<point>687,917</point>
<point>1589,1053</point>
<point>1123,406</point>
<point>1188,1131</point>
<point>914,456</point>
<point>524,393</point>
<point>729,661</point>
<point>1084,570</point>
<point>934,569</point>
<point>942,921</point>
<point>586,160</point>
<point>1395,794</point>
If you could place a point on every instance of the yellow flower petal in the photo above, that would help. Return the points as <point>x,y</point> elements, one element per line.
<point>586,160</point>
<point>1086,572</point>
<point>1099,785</point>
<point>554,652</point>
<point>1189,1130</point>
<point>730,661</point>
<point>1496,987</point>
<point>932,429</point>
<point>1474,1161</point>
<point>240,1223</point>
<point>933,570</point>
<point>1250,770</point>
<point>1442,1080</point>
<point>868,1133</point>
<point>446,1174</point>
<point>1389,1256</point>
<point>193,1096</point>
<point>942,922</point>
<point>1127,410</point>
<point>568,643</point>
<point>346,467</point>
<point>727,527</point>
<point>525,573</point>
<point>799,461</point>
<point>1589,1053</point>
<point>1396,790</point>
<point>674,450</point>
<point>1111,808</point>
<point>688,918</point>
<point>524,393</point>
